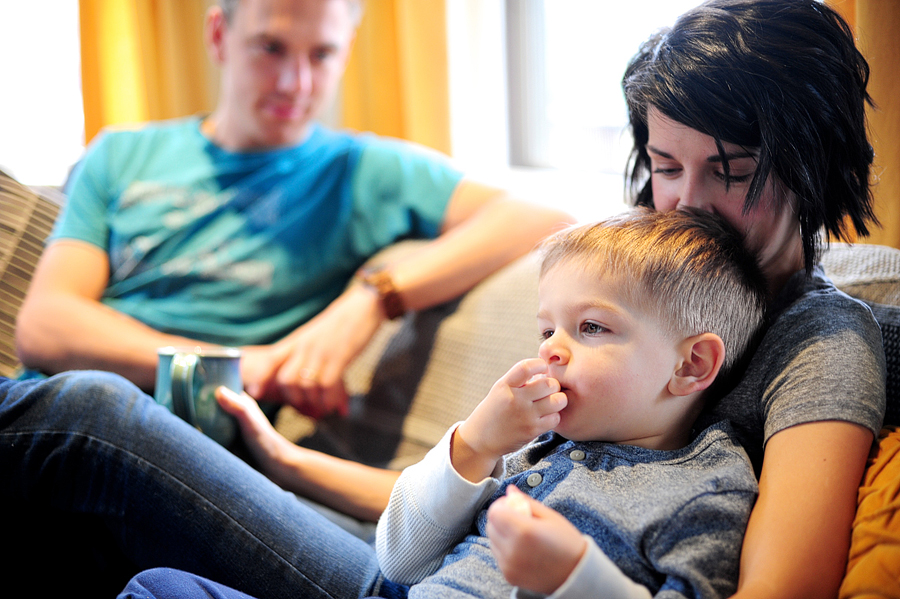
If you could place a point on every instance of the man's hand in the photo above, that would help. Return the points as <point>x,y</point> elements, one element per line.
<point>536,547</point>
<point>306,368</point>
<point>520,406</point>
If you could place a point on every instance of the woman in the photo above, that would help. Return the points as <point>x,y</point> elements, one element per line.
<point>751,109</point>
<point>756,110</point>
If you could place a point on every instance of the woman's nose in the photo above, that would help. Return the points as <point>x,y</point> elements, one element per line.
<point>692,193</point>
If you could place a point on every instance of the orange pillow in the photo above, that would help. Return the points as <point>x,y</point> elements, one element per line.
<point>873,569</point>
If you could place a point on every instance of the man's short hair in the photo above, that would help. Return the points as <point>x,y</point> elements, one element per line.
<point>230,6</point>
<point>688,269</point>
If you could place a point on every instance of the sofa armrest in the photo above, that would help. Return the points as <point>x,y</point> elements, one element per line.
<point>865,271</point>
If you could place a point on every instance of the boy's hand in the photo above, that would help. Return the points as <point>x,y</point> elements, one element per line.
<point>535,547</point>
<point>522,405</point>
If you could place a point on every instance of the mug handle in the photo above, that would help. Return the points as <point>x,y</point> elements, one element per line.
<point>183,367</point>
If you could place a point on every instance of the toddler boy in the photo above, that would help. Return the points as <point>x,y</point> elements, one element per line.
<point>640,315</point>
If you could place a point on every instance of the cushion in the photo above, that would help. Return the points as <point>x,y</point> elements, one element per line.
<point>26,217</point>
<point>872,273</point>
<point>873,569</point>
<point>888,318</point>
<point>867,271</point>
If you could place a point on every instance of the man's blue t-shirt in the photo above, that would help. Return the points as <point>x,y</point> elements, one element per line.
<point>241,248</point>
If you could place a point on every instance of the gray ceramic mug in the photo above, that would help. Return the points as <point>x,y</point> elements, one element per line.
<point>186,382</point>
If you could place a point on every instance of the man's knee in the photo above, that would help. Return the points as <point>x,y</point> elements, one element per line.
<point>68,401</point>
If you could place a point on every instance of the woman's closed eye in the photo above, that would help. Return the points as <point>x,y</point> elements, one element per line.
<point>734,178</point>
<point>667,172</point>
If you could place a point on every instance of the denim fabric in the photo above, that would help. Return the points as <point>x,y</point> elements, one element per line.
<point>89,450</point>
<point>168,583</point>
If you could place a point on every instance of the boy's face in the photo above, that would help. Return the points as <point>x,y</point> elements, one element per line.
<point>613,362</point>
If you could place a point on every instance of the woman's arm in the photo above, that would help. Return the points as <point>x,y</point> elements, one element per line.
<point>798,537</point>
<point>350,487</point>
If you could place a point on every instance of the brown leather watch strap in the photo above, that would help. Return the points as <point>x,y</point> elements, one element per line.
<point>380,280</point>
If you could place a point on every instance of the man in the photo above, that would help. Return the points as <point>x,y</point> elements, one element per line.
<point>245,227</point>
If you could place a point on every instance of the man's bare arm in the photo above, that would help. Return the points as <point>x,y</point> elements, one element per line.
<point>63,326</point>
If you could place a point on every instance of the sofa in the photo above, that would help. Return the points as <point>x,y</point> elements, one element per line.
<point>429,369</point>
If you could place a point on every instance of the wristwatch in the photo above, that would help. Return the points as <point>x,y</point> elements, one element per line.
<point>379,279</point>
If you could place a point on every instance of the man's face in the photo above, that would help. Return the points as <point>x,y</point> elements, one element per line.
<point>281,62</point>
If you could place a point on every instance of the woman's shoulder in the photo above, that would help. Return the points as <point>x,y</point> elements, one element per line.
<point>800,371</point>
<point>812,307</point>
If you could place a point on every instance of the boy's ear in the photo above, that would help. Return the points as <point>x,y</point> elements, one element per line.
<point>701,358</point>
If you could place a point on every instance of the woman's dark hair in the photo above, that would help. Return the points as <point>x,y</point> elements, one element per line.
<point>782,76</point>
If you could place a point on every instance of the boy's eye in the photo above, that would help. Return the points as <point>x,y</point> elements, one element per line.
<point>592,328</point>
<point>546,334</point>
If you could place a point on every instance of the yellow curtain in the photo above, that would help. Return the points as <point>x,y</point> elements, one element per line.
<point>143,60</point>
<point>396,82</point>
<point>876,24</point>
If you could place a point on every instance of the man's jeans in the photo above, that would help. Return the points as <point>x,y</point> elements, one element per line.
<point>90,447</point>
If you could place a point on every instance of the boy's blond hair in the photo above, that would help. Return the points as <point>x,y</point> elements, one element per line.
<point>687,269</point>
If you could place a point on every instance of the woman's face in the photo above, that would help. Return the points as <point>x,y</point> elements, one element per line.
<point>686,170</point>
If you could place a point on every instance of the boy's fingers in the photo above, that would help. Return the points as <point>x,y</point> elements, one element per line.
<point>549,401</point>
<point>538,389</point>
<point>523,372</point>
<point>517,501</point>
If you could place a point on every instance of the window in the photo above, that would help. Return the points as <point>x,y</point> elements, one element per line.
<point>536,102</point>
<point>566,60</point>
<point>41,116</point>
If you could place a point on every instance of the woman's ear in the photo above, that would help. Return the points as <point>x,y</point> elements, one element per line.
<point>701,358</point>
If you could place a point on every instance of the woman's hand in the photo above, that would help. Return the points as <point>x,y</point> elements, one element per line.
<point>350,487</point>
<point>536,547</point>
<point>266,444</point>
<point>520,406</point>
